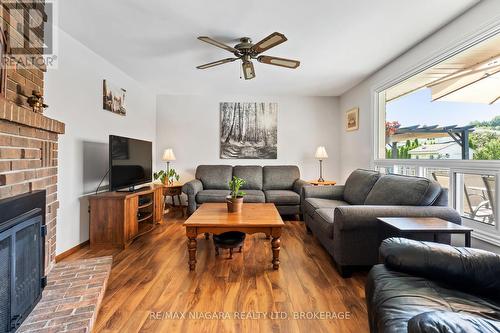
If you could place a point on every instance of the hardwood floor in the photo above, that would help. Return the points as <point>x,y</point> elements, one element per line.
<point>150,285</point>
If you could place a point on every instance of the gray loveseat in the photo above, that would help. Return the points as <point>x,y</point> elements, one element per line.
<point>344,217</point>
<point>280,185</point>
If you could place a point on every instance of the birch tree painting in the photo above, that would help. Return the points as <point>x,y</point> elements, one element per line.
<point>248,130</point>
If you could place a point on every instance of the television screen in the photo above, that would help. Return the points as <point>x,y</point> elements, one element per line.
<point>130,162</point>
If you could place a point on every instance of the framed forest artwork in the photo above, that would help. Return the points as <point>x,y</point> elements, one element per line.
<point>248,130</point>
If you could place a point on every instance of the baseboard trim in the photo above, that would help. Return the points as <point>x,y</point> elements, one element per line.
<point>69,252</point>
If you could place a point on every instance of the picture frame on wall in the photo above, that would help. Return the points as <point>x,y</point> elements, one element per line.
<point>248,130</point>
<point>113,98</point>
<point>352,120</point>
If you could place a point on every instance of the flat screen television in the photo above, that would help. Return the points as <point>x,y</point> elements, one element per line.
<point>130,163</point>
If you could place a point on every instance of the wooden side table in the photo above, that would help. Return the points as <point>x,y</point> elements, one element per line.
<point>173,191</point>
<point>324,183</point>
<point>406,226</point>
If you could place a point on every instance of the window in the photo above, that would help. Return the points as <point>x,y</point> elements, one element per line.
<point>476,197</point>
<point>450,111</point>
<point>443,123</point>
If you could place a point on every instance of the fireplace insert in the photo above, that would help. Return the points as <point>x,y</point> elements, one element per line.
<point>22,257</point>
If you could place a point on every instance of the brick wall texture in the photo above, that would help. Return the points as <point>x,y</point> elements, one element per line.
<point>28,140</point>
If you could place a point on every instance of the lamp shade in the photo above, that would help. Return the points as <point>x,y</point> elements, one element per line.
<point>168,155</point>
<point>321,153</point>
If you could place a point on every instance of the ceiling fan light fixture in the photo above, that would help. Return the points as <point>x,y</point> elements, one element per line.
<point>248,70</point>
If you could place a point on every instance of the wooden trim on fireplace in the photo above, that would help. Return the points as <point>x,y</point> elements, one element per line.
<point>65,254</point>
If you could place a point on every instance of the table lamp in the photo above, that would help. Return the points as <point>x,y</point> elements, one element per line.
<point>321,155</point>
<point>168,155</point>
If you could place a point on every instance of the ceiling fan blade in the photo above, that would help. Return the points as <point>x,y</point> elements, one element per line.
<point>248,70</point>
<point>216,63</point>
<point>218,44</point>
<point>288,63</point>
<point>270,41</point>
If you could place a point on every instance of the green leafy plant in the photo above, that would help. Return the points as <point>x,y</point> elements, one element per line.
<point>234,185</point>
<point>165,176</point>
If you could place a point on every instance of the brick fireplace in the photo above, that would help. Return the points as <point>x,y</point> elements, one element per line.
<point>28,139</point>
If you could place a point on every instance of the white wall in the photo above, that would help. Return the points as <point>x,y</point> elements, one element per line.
<point>190,125</point>
<point>485,14</point>
<point>74,93</point>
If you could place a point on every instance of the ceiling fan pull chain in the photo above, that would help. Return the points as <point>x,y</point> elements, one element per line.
<point>241,72</point>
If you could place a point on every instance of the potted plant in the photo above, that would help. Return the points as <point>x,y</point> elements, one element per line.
<point>167,177</point>
<point>235,199</point>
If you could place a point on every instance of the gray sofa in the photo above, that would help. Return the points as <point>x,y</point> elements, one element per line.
<point>344,217</point>
<point>280,185</point>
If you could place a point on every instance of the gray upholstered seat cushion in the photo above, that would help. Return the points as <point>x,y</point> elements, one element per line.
<point>324,220</point>
<point>358,185</point>
<point>404,191</point>
<point>311,204</point>
<point>254,196</point>
<point>252,174</point>
<point>214,177</point>
<point>280,177</point>
<point>282,197</point>
<point>212,196</point>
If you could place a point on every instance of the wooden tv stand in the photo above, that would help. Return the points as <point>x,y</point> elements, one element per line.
<point>117,218</point>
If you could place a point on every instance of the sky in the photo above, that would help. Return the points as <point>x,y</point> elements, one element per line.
<point>417,109</point>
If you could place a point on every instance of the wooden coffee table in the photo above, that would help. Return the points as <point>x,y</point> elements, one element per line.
<point>255,218</point>
<point>409,225</point>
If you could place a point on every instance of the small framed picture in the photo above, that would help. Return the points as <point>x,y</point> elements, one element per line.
<point>352,120</point>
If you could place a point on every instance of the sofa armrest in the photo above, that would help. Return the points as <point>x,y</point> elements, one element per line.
<point>324,192</point>
<point>465,269</point>
<point>359,216</point>
<point>298,185</point>
<point>192,187</point>
<point>451,322</point>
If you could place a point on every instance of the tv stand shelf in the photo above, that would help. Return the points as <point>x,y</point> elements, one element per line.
<point>117,218</point>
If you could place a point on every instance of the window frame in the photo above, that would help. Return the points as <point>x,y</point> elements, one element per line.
<point>489,234</point>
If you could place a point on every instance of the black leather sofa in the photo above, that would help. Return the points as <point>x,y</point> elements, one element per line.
<point>425,287</point>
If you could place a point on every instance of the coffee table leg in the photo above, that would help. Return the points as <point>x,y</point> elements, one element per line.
<point>275,245</point>
<point>192,252</point>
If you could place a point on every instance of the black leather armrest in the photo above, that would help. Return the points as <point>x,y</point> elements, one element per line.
<point>472,270</point>
<point>451,322</point>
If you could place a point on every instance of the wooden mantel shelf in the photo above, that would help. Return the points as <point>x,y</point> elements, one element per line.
<point>21,115</point>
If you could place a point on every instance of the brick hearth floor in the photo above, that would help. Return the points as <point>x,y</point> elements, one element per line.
<point>71,299</point>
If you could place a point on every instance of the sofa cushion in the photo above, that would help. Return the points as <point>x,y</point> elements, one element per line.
<point>403,190</point>
<point>358,185</point>
<point>214,177</point>
<point>282,197</point>
<point>252,174</point>
<point>254,196</point>
<point>323,219</point>
<point>280,177</point>
<point>394,298</point>
<point>212,196</point>
<point>311,204</point>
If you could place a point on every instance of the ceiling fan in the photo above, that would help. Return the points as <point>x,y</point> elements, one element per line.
<point>246,51</point>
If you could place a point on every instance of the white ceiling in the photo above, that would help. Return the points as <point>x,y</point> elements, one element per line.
<point>339,42</point>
